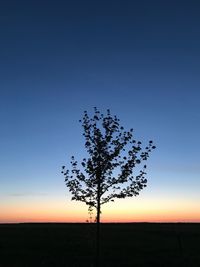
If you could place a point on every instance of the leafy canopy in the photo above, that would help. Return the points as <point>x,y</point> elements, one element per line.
<point>107,173</point>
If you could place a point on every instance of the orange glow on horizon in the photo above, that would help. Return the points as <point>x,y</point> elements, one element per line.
<point>139,210</point>
<point>42,216</point>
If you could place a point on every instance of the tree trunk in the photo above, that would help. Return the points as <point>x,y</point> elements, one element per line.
<point>98,224</point>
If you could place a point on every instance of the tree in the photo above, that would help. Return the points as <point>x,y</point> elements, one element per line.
<point>107,174</point>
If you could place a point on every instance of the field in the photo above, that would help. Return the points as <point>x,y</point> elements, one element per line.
<point>72,245</point>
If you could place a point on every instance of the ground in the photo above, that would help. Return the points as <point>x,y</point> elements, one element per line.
<point>124,245</point>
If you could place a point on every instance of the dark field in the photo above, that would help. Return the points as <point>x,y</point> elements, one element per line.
<point>140,244</point>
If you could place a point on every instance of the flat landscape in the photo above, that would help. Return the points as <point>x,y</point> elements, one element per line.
<point>131,244</point>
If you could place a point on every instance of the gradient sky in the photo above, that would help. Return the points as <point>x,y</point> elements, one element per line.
<point>141,59</point>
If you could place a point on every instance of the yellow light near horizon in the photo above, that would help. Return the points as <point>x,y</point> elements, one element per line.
<point>152,210</point>
<point>128,210</point>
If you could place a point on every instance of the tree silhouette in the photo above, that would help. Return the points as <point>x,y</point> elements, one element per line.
<point>107,173</point>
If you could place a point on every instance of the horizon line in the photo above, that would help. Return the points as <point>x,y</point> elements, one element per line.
<point>111,222</point>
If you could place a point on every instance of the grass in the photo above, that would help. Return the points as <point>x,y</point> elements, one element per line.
<point>126,245</point>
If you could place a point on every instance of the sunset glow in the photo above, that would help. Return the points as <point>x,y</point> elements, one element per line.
<point>121,211</point>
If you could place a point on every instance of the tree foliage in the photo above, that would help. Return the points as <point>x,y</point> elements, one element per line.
<point>108,172</point>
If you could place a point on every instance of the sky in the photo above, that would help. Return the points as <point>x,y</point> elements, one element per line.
<point>140,59</point>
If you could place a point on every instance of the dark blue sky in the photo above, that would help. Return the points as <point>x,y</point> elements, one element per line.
<point>141,59</point>
<point>86,40</point>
